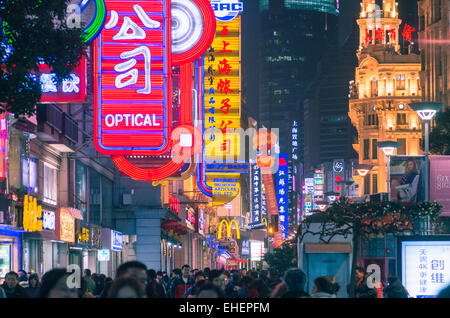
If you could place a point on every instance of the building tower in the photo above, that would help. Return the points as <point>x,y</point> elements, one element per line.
<point>385,83</point>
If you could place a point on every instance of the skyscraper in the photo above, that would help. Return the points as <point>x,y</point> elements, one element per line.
<point>293,37</point>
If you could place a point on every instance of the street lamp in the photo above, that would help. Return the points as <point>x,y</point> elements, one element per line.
<point>426,111</point>
<point>388,148</point>
<point>363,170</point>
<point>332,196</point>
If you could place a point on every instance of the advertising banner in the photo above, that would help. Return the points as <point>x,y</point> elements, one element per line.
<point>440,182</point>
<point>5,260</point>
<point>425,267</point>
<point>255,194</point>
<point>407,178</point>
<point>282,193</point>
<point>65,225</point>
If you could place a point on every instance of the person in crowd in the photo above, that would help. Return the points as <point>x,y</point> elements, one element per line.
<point>127,287</point>
<point>264,275</point>
<point>134,269</point>
<point>23,278</point>
<point>254,274</point>
<point>362,290</point>
<point>108,283</point>
<point>209,290</point>
<point>33,285</point>
<point>258,289</point>
<point>84,290</point>
<point>176,273</point>
<point>243,272</point>
<point>206,271</point>
<point>2,293</point>
<point>12,288</point>
<point>244,284</point>
<point>227,277</point>
<point>160,280</point>
<point>99,284</point>
<point>91,284</point>
<point>231,290</point>
<point>154,289</point>
<point>56,284</point>
<point>274,278</point>
<point>324,288</point>
<point>182,283</point>
<point>218,278</point>
<point>395,289</point>
<point>198,279</point>
<point>295,280</point>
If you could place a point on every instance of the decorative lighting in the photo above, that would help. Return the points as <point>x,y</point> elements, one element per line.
<point>401,106</point>
<point>426,110</point>
<point>388,147</point>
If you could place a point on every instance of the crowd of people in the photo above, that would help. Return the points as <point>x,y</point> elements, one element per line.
<point>134,280</point>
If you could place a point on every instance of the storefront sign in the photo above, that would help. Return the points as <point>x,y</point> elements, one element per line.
<point>174,204</point>
<point>440,182</point>
<point>95,240</point>
<point>201,222</point>
<point>65,225</point>
<point>245,250</point>
<point>191,220</point>
<point>256,250</point>
<point>5,260</point>
<point>228,227</point>
<point>32,214</point>
<point>104,255</point>
<point>73,89</point>
<point>295,141</point>
<point>308,196</point>
<point>425,267</point>
<point>282,193</point>
<point>225,188</point>
<point>116,240</point>
<point>83,234</point>
<point>48,221</point>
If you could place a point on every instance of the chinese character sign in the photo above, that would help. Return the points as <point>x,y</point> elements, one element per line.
<point>255,194</point>
<point>282,194</point>
<point>222,101</point>
<point>407,32</point>
<point>425,267</point>
<point>132,82</point>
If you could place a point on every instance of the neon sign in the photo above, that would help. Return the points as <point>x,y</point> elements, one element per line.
<point>407,32</point>
<point>32,214</point>
<point>174,204</point>
<point>227,10</point>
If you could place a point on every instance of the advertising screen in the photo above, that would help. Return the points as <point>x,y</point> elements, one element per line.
<point>5,260</point>
<point>407,181</point>
<point>425,267</point>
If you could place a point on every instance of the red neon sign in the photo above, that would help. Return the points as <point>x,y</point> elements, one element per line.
<point>73,89</point>
<point>174,204</point>
<point>407,32</point>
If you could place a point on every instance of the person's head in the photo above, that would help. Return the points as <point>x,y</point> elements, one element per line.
<point>175,273</point>
<point>127,287</point>
<point>323,285</point>
<point>12,279</point>
<point>206,271</point>
<point>236,278</point>
<point>55,284</point>
<point>261,287</point>
<point>134,269</point>
<point>151,274</point>
<point>295,279</point>
<point>264,274</point>
<point>185,271</point>
<point>227,277</point>
<point>244,272</point>
<point>159,275</point>
<point>245,281</point>
<point>410,166</point>
<point>209,290</point>
<point>217,277</point>
<point>393,280</point>
<point>360,272</point>
<point>87,272</point>
<point>199,276</point>
<point>33,280</point>
<point>254,274</point>
<point>23,276</point>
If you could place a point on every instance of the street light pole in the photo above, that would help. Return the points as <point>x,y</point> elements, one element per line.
<point>427,158</point>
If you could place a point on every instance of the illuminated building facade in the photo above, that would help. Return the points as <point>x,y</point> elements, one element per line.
<point>385,83</point>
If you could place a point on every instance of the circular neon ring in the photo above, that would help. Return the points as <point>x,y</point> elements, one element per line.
<point>209,31</point>
<point>96,25</point>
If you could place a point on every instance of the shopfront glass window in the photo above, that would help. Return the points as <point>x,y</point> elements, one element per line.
<point>81,188</point>
<point>50,184</point>
<point>94,198</point>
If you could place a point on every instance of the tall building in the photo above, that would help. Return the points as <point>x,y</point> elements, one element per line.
<point>385,83</point>
<point>328,132</point>
<point>433,32</point>
<point>293,37</point>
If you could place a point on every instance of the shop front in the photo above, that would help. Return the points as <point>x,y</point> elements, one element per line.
<point>65,233</point>
<point>172,238</point>
<point>95,247</point>
<point>112,241</point>
<point>82,238</point>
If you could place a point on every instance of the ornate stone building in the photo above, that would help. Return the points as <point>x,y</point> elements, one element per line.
<point>385,83</point>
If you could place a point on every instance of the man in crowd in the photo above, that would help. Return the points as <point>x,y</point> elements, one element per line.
<point>12,288</point>
<point>182,283</point>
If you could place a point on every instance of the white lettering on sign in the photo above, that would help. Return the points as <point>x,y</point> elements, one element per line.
<point>131,120</point>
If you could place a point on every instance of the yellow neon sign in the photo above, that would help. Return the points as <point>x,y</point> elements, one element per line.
<point>265,221</point>
<point>229,225</point>
<point>31,213</point>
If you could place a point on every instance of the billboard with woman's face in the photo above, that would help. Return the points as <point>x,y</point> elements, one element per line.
<point>407,178</point>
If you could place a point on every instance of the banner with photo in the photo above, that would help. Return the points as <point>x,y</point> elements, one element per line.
<point>440,182</point>
<point>407,177</point>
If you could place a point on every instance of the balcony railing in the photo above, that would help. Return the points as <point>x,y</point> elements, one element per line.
<point>70,128</point>
<point>51,115</point>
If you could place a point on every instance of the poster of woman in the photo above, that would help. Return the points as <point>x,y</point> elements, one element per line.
<point>407,178</point>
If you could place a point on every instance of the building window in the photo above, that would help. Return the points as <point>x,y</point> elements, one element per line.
<point>372,120</point>
<point>366,149</point>
<point>50,184</point>
<point>367,185</point>
<point>374,88</point>
<point>400,82</point>
<point>374,148</point>
<point>374,183</point>
<point>401,150</point>
<point>401,119</point>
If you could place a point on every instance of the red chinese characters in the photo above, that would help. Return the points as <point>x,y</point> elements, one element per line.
<point>407,32</point>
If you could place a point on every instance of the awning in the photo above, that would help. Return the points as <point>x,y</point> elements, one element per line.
<point>175,226</point>
<point>42,235</point>
<point>328,248</point>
